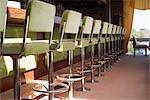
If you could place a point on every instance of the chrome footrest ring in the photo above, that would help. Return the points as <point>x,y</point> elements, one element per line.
<point>44,88</point>
<point>70,77</point>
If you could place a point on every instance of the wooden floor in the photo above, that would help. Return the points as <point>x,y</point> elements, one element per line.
<point>127,80</point>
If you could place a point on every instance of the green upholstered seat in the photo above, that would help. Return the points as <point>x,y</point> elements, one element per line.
<point>102,40</point>
<point>94,41</point>
<point>66,46</point>
<point>107,39</point>
<point>112,39</point>
<point>83,43</point>
<point>13,45</point>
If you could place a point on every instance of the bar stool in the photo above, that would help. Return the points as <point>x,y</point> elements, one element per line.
<point>122,39</point>
<point>109,32</point>
<point>113,42</point>
<point>84,41</point>
<point>100,59</point>
<point>19,47</point>
<point>114,56</point>
<point>95,39</point>
<point>117,42</point>
<point>107,39</point>
<point>69,26</point>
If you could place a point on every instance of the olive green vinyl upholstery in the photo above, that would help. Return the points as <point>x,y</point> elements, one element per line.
<point>3,18</point>
<point>3,8</point>
<point>102,40</point>
<point>110,26</point>
<point>45,20</point>
<point>87,24</point>
<point>104,29</point>
<point>117,32</point>
<point>96,31</point>
<point>114,31</point>
<point>72,19</point>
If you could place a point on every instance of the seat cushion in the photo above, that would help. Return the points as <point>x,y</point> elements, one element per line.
<point>13,45</point>
<point>112,39</point>
<point>116,38</point>
<point>36,47</point>
<point>83,43</point>
<point>102,40</point>
<point>107,39</point>
<point>94,41</point>
<point>66,45</point>
<point>32,47</point>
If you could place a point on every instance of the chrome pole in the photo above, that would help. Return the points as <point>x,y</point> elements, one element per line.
<point>16,77</point>
<point>83,88</point>
<point>71,74</point>
<point>50,75</point>
<point>92,65</point>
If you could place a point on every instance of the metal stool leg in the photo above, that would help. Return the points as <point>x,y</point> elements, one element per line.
<point>50,75</point>
<point>99,58</point>
<point>92,66</point>
<point>83,88</point>
<point>16,77</point>
<point>71,72</point>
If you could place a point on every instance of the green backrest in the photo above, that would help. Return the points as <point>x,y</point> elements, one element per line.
<point>118,29</point>
<point>3,18</point>
<point>97,27</point>
<point>72,20</point>
<point>105,28</point>
<point>110,27</point>
<point>87,25</point>
<point>41,17</point>
<point>114,29</point>
<point>3,8</point>
<point>70,24</point>
<point>121,29</point>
